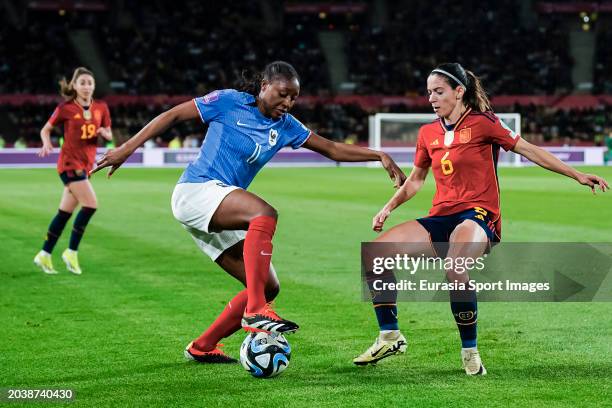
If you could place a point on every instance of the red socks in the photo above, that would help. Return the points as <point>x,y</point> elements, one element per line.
<point>257,256</point>
<point>227,323</point>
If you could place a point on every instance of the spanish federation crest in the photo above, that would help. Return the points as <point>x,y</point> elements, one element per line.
<point>465,135</point>
<point>273,137</point>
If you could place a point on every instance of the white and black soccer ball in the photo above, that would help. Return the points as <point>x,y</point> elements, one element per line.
<point>265,354</point>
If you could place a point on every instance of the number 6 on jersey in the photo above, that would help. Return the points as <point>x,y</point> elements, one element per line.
<point>447,165</point>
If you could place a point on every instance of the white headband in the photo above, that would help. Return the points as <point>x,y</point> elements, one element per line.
<point>448,74</point>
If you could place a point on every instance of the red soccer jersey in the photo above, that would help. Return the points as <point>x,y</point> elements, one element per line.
<point>465,164</point>
<point>80,140</point>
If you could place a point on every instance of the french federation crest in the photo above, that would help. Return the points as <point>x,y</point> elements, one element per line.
<point>273,137</point>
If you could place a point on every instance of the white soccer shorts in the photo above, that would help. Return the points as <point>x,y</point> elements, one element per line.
<point>193,205</point>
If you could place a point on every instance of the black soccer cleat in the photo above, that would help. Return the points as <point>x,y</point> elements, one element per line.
<point>266,320</point>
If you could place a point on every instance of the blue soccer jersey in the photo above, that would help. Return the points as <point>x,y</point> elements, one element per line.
<point>240,140</point>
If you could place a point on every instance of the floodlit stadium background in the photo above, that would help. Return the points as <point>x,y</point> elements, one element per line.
<point>115,334</point>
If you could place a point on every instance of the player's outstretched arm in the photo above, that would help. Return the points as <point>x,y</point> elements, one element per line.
<point>114,158</point>
<point>547,160</point>
<point>342,152</point>
<point>411,186</point>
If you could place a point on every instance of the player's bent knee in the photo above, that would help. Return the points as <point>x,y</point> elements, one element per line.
<point>271,212</point>
<point>266,211</point>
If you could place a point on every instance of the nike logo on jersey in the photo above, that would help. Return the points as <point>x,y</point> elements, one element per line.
<point>265,254</point>
<point>239,123</point>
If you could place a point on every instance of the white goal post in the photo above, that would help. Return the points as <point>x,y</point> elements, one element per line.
<point>396,134</point>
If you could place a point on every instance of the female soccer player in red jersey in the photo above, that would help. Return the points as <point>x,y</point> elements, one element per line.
<point>84,121</point>
<point>246,129</point>
<point>461,147</point>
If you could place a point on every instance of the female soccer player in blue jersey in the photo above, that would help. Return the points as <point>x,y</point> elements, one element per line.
<point>461,148</point>
<point>245,130</point>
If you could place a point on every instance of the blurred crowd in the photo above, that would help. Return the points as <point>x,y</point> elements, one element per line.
<point>603,63</point>
<point>544,125</point>
<point>29,65</point>
<point>490,41</point>
<point>338,122</point>
<point>192,47</point>
<point>346,123</point>
<point>188,47</point>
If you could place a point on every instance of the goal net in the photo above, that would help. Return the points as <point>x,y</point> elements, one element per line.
<point>396,134</point>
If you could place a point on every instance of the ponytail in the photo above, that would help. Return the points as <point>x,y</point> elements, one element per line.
<point>476,97</point>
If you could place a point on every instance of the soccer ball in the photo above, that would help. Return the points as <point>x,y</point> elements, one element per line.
<point>265,354</point>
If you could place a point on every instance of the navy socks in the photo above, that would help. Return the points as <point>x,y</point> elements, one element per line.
<point>55,230</point>
<point>81,221</point>
<point>465,311</point>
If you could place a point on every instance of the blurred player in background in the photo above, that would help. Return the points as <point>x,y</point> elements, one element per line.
<point>84,120</point>
<point>461,147</point>
<point>246,129</point>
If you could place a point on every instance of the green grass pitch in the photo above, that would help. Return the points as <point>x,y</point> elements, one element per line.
<point>116,334</point>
